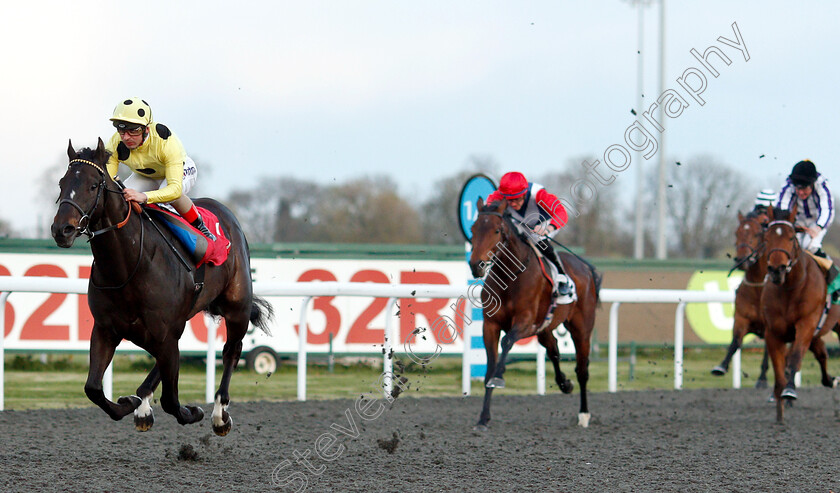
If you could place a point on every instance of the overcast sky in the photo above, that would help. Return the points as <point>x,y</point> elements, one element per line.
<point>330,90</point>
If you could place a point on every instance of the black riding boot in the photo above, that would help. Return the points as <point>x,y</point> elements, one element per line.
<point>199,225</point>
<point>563,289</point>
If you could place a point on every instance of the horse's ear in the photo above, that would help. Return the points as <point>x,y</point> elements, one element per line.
<point>100,154</point>
<point>740,217</point>
<point>503,206</point>
<point>770,211</point>
<point>792,214</point>
<point>479,204</point>
<point>71,153</point>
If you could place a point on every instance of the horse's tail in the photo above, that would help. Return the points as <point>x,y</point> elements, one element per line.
<point>597,277</point>
<point>261,314</point>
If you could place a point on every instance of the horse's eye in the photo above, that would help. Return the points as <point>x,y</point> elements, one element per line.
<point>93,187</point>
<point>498,230</point>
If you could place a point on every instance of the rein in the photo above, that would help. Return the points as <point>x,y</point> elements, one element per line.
<point>504,218</point>
<point>790,254</point>
<point>84,222</point>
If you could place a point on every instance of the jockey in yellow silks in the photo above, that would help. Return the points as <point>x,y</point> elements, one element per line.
<point>162,173</point>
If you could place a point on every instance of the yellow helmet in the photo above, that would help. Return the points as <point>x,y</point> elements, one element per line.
<point>133,110</point>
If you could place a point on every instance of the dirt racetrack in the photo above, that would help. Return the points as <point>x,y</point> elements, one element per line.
<point>699,440</point>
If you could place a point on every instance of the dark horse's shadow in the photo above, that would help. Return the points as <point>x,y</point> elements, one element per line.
<point>517,296</point>
<point>140,291</point>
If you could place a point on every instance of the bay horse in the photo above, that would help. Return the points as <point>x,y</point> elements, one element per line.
<point>516,298</point>
<point>139,291</point>
<point>749,247</point>
<point>791,305</point>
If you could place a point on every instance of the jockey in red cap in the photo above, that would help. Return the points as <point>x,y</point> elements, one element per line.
<point>541,211</point>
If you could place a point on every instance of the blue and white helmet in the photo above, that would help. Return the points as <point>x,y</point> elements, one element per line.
<point>765,198</point>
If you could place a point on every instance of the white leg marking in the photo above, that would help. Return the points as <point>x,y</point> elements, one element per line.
<point>145,407</point>
<point>583,420</point>
<point>217,412</point>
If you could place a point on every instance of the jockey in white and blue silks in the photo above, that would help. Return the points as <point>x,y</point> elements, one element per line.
<point>814,204</point>
<point>814,211</point>
<point>540,211</point>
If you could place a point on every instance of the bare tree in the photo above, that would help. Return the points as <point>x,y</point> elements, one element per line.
<point>703,197</point>
<point>440,212</point>
<point>598,229</point>
<point>366,210</point>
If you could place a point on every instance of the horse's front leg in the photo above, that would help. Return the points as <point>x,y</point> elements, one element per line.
<point>492,330</point>
<point>803,339</point>
<point>508,340</point>
<point>776,353</point>
<point>102,347</point>
<point>236,329</point>
<point>168,363</point>
<point>739,330</point>
<point>144,418</point>
<point>761,383</point>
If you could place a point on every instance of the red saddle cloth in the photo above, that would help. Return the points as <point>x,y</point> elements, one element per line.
<point>202,249</point>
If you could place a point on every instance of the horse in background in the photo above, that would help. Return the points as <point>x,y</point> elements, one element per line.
<point>749,247</point>
<point>791,306</point>
<point>516,299</point>
<point>139,290</point>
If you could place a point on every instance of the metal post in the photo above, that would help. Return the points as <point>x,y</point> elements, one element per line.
<point>541,370</point>
<point>388,361</point>
<point>302,333</point>
<point>108,381</point>
<point>210,377</point>
<point>612,357</point>
<point>678,346</point>
<point>331,356</point>
<point>736,370</point>
<point>3,296</point>
<point>639,245</point>
<point>661,246</point>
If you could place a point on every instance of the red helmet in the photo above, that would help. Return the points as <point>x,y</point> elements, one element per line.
<point>513,185</point>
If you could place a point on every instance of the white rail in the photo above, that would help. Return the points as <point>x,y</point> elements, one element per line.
<point>309,290</point>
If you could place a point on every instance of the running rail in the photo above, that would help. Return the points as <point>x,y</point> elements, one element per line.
<point>309,290</point>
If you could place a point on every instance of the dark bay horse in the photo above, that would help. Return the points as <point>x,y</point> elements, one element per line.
<point>791,305</point>
<point>516,298</point>
<point>139,291</point>
<point>749,247</point>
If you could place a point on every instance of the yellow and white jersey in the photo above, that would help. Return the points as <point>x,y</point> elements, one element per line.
<point>160,156</point>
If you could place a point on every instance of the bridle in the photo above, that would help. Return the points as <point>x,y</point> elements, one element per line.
<point>84,222</point>
<point>755,252</point>
<point>793,255</point>
<point>505,232</point>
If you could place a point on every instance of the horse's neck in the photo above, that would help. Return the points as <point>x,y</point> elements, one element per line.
<point>511,259</point>
<point>119,246</point>
<point>757,271</point>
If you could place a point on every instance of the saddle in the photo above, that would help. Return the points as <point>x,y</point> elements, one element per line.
<point>201,249</point>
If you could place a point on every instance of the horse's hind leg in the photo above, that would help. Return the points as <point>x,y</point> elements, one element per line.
<point>761,383</point>
<point>236,329</point>
<point>821,354</point>
<point>168,364</point>
<point>144,418</point>
<point>101,353</point>
<point>546,338</point>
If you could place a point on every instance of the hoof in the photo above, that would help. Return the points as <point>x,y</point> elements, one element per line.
<point>835,383</point>
<point>197,413</point>
<point>771,398</point>
<point>144,423</point>
<point>481,428</point>
<point>789,394</point>
<point>583,420</point>
<point>567,387</point>
<point>225,427</point>
<point>719,371</point>
<point>761,383</point>
<point>495,383</point>
<point>132,401</point>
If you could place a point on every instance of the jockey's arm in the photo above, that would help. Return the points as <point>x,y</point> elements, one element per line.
<point>172,156</point>
<point>552,205</point>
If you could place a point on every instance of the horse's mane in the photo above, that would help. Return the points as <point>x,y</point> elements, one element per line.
<point>88,153</point>
<point>753,214</point>
<point>597,277</point>
<point>780,214</point>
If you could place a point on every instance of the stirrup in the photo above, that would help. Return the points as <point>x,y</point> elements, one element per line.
<point>206,232</point>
